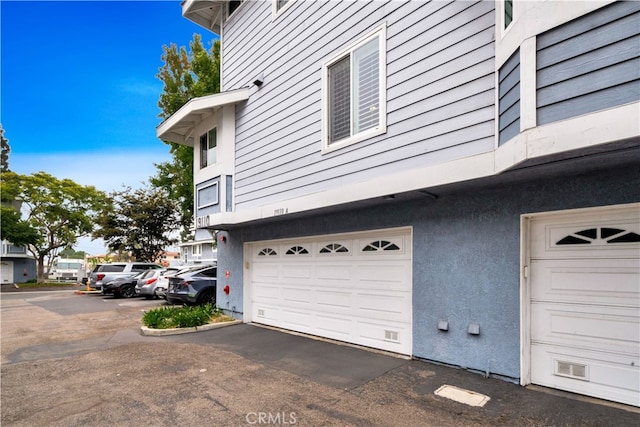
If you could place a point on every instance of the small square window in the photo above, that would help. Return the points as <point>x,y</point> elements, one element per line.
<point>355,91</point>
<point>207,195</point>
<point>281,4</point>
<point>233,6</point>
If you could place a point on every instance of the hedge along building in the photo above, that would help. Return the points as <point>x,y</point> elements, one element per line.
<point>457,182</point>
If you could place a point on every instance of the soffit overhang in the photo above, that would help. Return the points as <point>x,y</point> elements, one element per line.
<point>180,125</point>
<point>206,13</point>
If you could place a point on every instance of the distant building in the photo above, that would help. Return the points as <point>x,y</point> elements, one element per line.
<point>17,266</point>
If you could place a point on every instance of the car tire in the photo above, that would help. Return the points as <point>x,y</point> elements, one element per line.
<point>127,291</point>
<point>207,297</point>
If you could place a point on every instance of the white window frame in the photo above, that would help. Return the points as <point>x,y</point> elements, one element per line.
<point>275,12</point>
<point>226,11</point>
<point>206,152</point>
<point>196,250</point>
<point>216,192</point>
<point>381,33</point>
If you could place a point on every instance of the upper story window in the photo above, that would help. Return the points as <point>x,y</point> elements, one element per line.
<point>355,91</point>
<point>208,148</point>
<point>232,6</point>
<point>508,12</point>
<point>279,5</point>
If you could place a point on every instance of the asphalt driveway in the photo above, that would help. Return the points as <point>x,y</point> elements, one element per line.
<point>67,364</point>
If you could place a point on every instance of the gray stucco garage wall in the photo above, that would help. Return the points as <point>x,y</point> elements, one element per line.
<point>466,259</point>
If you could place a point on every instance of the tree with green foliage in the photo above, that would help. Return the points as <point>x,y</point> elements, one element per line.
<point>139,222</point>
<point>58,211</point>
<point>185,76</point>
<point>70,253</point>
<point>4,153</point>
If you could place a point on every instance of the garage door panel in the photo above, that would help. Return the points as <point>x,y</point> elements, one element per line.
<point>266,272</point>
<point>590,327</point>
<point>394,276</point>
<point>333,272</point>
<point>585,372</point>
<point>296,319</point>
<point>334,300</point>
<point>584,302</point>
<point>548,233</point>
<point>355,287</point>
<point>385,335</point>
<point>387,306</point>
<point>264,292</point>
<point>296,271</point>
<point>296,295</point>
<point>615,282</point>
<point>335,327</point>
<point>267,314</point>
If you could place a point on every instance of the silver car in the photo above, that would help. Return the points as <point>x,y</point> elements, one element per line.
<point>146,285</point>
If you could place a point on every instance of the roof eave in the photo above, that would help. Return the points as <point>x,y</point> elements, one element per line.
<point>206,13</point>
<point>180,124</point>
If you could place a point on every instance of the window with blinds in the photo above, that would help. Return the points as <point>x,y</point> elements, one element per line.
<point>355,91</point>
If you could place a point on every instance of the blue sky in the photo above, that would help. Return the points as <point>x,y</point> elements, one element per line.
<point>79,93</point>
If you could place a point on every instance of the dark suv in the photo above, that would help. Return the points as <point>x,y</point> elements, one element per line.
<point>194,287</point>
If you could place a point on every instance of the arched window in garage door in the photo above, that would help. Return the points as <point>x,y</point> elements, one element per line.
<point>267,252</point>
<point>599,235</point>
<point>333,248</point>
<point>380,245</point>
<point>297,250</point>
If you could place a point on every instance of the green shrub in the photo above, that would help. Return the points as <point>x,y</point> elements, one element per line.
<point>180,317</point>
<point>189,317</point>
<point>159,318</point>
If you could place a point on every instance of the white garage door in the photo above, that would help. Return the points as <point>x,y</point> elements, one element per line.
<point>6,272</point>
<point>351,287</point>
<point>585,303</point>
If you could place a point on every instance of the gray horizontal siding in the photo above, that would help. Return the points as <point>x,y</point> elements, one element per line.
<point>589,64</point>
<point>509,99</point>
<point>440,91</point>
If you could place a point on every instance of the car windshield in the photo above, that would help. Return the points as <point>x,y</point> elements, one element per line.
<point>110,268</point>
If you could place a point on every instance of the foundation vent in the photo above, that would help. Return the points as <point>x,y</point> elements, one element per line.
<point>572,370</point>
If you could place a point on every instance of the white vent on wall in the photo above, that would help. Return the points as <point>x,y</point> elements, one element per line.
<point>260,313</point>
<point>572,370</point>
<point>391,336</point>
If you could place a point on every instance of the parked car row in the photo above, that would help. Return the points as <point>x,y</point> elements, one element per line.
<point>193,285</point>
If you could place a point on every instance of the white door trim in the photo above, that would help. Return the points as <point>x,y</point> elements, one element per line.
<point>525,282</point>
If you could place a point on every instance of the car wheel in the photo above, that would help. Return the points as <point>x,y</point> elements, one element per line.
<point>207,297</point>
<point>127,291</point>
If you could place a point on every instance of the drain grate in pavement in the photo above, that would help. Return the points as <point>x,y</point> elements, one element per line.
<point>461,395</point>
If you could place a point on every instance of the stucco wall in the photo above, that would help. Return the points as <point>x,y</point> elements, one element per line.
<point>466,250</point>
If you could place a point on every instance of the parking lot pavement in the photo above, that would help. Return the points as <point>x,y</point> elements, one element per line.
<point>241,375</point>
